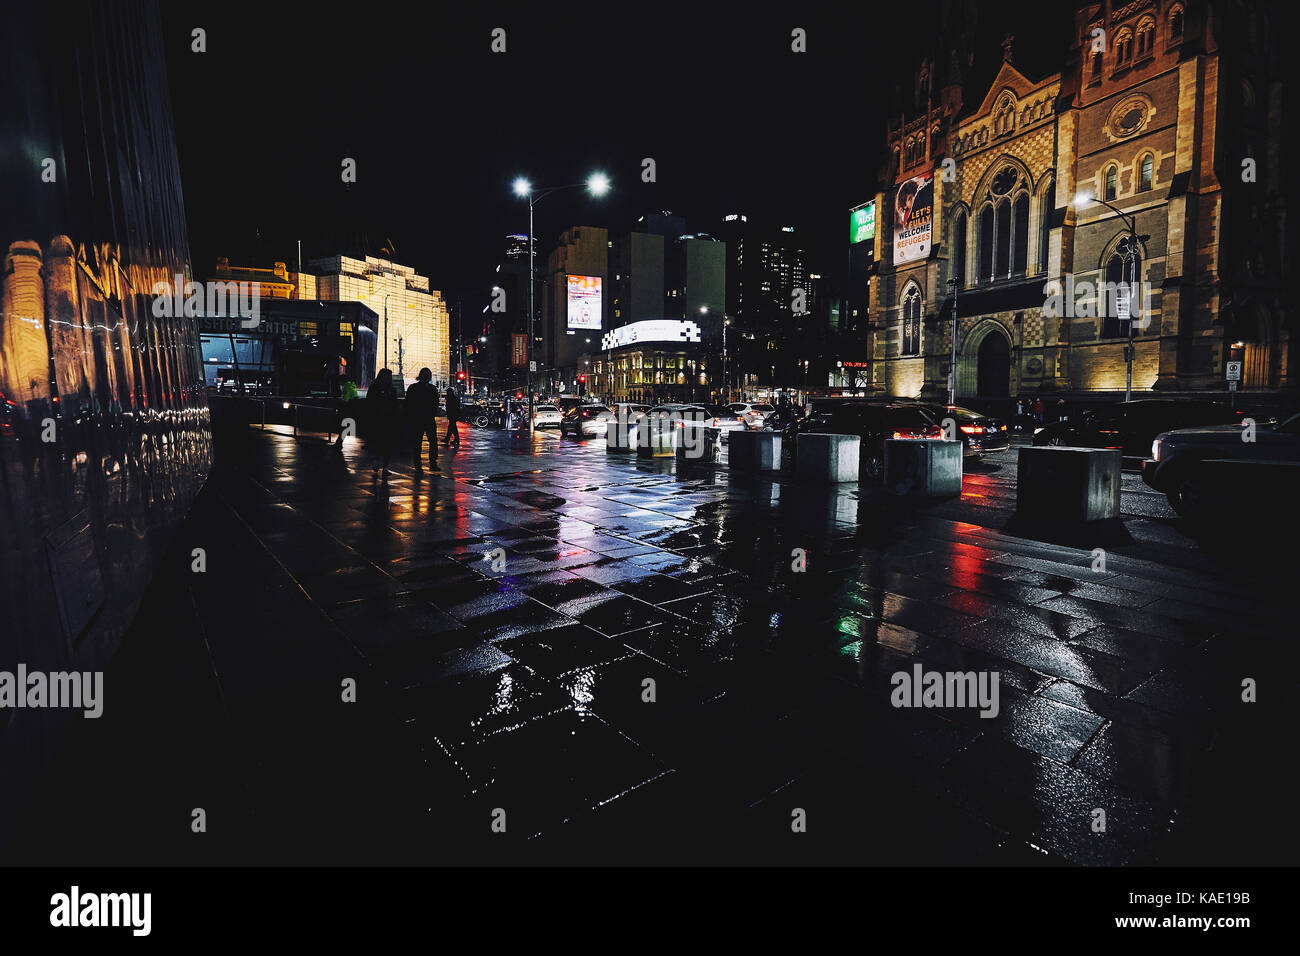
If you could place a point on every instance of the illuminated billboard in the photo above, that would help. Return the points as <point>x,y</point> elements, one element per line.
<point>913,207</point>
<point>862,223</point>
<point>675,331</point>
<point>584,302</point>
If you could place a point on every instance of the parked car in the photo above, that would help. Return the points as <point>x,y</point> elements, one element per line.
<point>586,421</point>
<point>979,433</point>
<point>874,424</point>
<point>1177,465</point>
<point>546,416</point>
<point>1132,426</point>
<point>753,415</point>
<point>629,410</point>
<point>724,419</point>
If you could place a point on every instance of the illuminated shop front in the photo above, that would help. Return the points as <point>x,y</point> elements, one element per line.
<point>651,362</point>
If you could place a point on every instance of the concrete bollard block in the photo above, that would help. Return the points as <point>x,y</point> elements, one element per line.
<point>699,446</point>
<point>621,437</point>
<point>755,451</point>
<point>657,436</point>
<point>827,458</point>
<point>1063,485</point>
<point>923,467</point>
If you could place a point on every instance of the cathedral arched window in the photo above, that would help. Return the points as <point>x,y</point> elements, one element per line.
<point>1176,23</point>
<point>959,247</point>
<point>1045,226</point>
<point>1123,47</point>
<point>1119,270</point>
<point>1147,172</point>
<point>910,326</point>
<point>1020,235</point>
<point>1004,117</point>
<point>984,246</point>
<point>1002,240</point>
<point>1112,183</point>
<point>1146,38</point>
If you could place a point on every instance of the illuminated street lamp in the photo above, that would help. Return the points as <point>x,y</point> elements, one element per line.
<point>598,185</point>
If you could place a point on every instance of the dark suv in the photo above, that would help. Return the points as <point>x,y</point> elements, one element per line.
<point>874,424</point>
<point>1132,426</point>
<point>978,432</point>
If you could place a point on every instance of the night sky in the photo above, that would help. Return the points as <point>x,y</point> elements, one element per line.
<point>440,126</point>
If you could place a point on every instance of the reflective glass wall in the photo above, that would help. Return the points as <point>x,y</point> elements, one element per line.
<point>104,425</point>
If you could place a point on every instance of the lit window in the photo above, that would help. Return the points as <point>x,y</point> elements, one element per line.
<point>1112,182</point>
<point>1148,166</point>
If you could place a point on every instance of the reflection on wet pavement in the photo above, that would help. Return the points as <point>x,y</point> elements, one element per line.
<point>647,672</point>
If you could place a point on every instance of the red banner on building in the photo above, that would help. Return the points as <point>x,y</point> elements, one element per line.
<point>519,350</point>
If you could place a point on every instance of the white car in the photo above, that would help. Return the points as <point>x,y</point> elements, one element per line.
<point>753,415</point>
<point>546,416</point>
<point>718,417</point>
<point>586,421</point>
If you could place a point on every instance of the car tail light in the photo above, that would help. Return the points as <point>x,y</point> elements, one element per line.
<point>715,423</point>
<point>1155,450</point>
<point>973,429</point>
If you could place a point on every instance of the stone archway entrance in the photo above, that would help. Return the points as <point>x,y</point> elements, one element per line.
<point>984,366</point>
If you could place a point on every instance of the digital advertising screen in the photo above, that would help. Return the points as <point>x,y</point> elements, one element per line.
<point>584,302</point>
<point>862,223</point>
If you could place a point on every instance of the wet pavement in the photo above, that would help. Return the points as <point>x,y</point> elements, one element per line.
<point>507,622</point>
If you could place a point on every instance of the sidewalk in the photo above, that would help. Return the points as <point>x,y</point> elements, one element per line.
<point>522,687</point>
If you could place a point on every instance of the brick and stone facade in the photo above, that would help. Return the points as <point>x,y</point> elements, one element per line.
<point>1157,109</point>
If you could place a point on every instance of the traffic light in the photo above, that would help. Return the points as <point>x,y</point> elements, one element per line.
<point>582,384</point>
<point>460,376</point>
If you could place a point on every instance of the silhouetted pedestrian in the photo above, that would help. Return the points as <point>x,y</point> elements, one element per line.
<point>347,409</point>
<point>453,416</point>
<point>382,419</point>
<point>421,419</point>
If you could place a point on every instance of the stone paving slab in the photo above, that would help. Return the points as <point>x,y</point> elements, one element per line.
<point>524,687</point>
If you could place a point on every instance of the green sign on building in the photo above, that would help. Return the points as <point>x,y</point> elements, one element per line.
<point>862,223</point>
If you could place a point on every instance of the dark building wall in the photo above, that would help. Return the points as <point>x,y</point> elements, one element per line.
<point>84,518</point>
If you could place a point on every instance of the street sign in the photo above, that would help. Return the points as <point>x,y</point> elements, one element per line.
<point>1122,303</point>
<point>1232,384</point>
<point>532,366</point>
<point>1234,371</point>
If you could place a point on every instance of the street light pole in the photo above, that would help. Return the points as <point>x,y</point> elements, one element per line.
<point>532,281</point>
<point>952,367</point>
<point>1131,223</point>
<point>598,185</point>
<point>386,330</point>
<point>726,386</point>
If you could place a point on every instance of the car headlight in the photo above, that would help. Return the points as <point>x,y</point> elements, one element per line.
<point>1155,450</point>
<point>1037,430</point>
